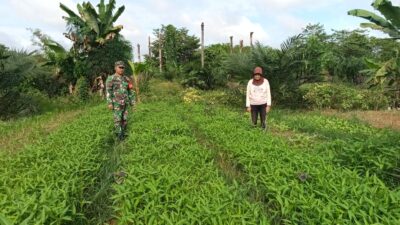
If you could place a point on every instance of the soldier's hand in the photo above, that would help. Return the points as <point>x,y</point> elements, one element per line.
<point>110,106</point>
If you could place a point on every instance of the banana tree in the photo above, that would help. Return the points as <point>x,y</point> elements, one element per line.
<point>389,23</point>
<point>91,28</point>
<point>137,69</point>
<point>386,73</point>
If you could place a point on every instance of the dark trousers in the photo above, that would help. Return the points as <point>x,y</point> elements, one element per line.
<point>259,109</point>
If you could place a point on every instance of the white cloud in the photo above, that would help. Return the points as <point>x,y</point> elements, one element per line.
<point>46,12</point>
<point>273,5</point>
<point>272,21</point>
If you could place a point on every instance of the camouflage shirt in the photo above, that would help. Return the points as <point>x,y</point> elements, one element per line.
<point>119,90</point>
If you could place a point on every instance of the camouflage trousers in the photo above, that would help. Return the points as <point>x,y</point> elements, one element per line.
<point>120,113</point>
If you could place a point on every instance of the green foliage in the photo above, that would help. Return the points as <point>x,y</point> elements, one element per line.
<point>178,48</point>
<point>354,145</point>
<point>82,86</point>
<point>188,191</point>
<point>239,66</point>
<point>55,56</point>
<point>90,29</point>
<point>48,182</point>
<point>303,186</point>
<point>345,59</point>
<point>336,96</point>
<point>141,73</point>
<point>389,24</point>
<point>100,61</point>
<point>213,74</point>
<point>21,81</point>
<point>387,72</point>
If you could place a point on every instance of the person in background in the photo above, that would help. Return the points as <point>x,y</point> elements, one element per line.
<point>98,86</point>
<point>258,97</point>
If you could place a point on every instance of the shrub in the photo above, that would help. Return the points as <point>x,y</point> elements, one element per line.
<point>82,86</point>
<point>342,97</point>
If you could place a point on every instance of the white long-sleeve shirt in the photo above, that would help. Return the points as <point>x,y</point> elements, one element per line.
<point>258,95</point>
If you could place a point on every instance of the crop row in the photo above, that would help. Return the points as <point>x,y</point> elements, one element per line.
<point>171,179</point>
<point>300,187</point>
<point>354,145</point>
<point>48,182</point>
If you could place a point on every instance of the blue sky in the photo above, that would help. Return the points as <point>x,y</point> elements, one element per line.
<point>272,21</point>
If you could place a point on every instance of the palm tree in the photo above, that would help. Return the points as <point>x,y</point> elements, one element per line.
<point>90,28</point>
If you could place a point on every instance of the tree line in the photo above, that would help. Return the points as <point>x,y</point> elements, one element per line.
<point>339,69</point>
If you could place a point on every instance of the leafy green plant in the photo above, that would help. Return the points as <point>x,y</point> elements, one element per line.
<point>172,179</point>
<point>47,182</point>
<point>82,86</point>
<point>302,187</point>
<point>335,96</point>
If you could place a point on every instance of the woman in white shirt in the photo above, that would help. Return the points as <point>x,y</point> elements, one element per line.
<point>258,97</point>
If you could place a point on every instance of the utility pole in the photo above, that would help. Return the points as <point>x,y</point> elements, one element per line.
<point>138,51</point>
<point>231,37</point>
<point>160,49</point>
<point>149,47</point>
<point>202,45</point>
<point>241,46</point>
<point>251,39</point>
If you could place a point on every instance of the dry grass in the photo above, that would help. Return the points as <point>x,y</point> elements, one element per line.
<point>378,119</point>
<point>16,140</point>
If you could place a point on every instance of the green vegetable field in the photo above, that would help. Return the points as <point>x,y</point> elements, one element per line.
<point>125,112</point>
<point>201,163</point>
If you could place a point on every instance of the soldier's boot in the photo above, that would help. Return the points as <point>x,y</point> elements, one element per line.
<point>124,125</point>
<point>121,136</point>
<point>118,131</point>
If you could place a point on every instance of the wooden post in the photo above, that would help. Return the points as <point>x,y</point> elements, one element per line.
<point>241,46</point>
<point>202,45</point>
<point>251,39</point>
<point>231,37</point>
<point>160,50</point>
<point>149,47</point>
<point>138,51</point>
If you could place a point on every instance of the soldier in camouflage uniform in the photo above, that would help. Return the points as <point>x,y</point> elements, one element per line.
<point>120,94</point>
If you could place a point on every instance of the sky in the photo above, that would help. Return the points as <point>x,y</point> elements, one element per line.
<point>272,21</point>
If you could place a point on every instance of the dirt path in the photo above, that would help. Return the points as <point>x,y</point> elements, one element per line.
<point>378,119</point>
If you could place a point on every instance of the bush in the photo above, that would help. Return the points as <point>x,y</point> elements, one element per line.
<point>195,79</point>
<point>342,97</point>
<point>82,87</point>
<point>233,96</point>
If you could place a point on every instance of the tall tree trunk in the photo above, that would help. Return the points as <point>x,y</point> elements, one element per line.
<point>160,50</point>
<point>251,39</point>
<point>241,46</point>
<point>231,38</point>
<point>149,47</point>
<point>202,45</point>
<point>137,88</point>
<point>138,50</point>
